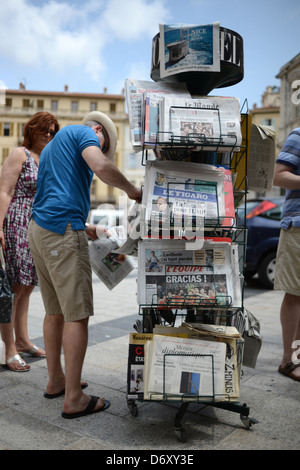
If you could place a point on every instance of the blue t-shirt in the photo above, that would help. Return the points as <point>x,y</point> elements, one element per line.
<point>290,156</point>
<point>64,180</point>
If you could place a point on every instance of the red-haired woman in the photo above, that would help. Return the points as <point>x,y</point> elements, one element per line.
<point>17,191</point>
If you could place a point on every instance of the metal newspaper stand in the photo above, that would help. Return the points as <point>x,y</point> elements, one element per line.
<point>190,309</point>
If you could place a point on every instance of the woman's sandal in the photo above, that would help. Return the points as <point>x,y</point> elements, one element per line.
<point>288,369</point>
<point>14,358</point>
<point>32,352</point>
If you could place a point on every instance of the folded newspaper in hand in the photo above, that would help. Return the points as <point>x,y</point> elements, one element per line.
<point>109,266</point>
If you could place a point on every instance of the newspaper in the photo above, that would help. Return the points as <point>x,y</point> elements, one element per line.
<point>186,48</point>
<point>221,331</point>
<point>110,267</point>
<point>182,190</point>
<point>234,349</point>
<point>135,371</point>
<point>134,94</point>
<point>261,159</point>
<point>172,277</point>
<point>208,122</point>
<point>184,367</point>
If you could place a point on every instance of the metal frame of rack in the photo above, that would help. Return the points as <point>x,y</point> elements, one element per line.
<point>191,147</point>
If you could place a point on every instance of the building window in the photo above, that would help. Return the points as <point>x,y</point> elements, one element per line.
<point>54,105</point>
<point>40,104</point>
<point>93,106</point>
<point>26,103</point>
<point>271,123</point>
<point>74,106</point>
<point>21,129</point>
<point>112,107</point>
<point>8,102</point>
<point>6,129</point>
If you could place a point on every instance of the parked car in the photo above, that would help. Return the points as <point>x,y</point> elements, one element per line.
<point>263,217</point>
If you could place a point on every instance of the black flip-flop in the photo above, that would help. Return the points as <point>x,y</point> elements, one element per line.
<point>62,392</point>
<point>89,409</point>
<point>288,369</point>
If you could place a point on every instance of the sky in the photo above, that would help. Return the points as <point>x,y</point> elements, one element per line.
<point>95,44</point>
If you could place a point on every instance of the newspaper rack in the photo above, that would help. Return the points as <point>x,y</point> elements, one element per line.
<point>190,394</point>
<point>196,147</point>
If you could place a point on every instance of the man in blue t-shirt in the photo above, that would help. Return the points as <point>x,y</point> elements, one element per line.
<point>287,275</point>
<point>58,241</point>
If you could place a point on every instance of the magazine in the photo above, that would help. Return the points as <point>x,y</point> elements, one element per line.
<point>183,192</point>
<point>150,117</point>
<point>208,122</point>
<point>184,367</point>
<point>172,277</point>
<point>110,267</point>
<point>229,219</point>
<point>134,94</point>
<point>185,48</point>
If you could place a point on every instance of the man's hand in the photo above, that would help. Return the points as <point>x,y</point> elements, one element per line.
<point>135,194</point>
<point>91,232</point>
<point>96,231</point>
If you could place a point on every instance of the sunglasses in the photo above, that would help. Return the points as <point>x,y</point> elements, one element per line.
<point>106,140</point>
<point>51,133</point>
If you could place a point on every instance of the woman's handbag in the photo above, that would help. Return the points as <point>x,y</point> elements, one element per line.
<point>5,293</point>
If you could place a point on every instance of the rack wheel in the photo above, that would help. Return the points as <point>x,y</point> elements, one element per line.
<point>180,434</point>
<point>248,422</point>
<point>133,408</point>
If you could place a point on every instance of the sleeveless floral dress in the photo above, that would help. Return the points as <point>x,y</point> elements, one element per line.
<point>18,259</point>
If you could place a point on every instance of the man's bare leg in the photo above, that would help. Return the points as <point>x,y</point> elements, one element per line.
<point>75,340</point>
<point>53,335</point>
<point>290,322</point>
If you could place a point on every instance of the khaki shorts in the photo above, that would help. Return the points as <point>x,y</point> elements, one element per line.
<point>287,273</point>
<point>64,271</point>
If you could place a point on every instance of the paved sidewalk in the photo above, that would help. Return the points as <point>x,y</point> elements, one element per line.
<point>28,421</point>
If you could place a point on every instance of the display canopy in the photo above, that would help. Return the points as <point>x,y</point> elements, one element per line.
<point>203,57</point>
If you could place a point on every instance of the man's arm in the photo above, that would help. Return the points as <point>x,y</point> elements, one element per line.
<point>284,177</point>
<point>108,172</point>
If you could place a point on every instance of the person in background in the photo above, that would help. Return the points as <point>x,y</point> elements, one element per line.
<point>17,191</point>
<point>59,245</point>
<point>287,273</point>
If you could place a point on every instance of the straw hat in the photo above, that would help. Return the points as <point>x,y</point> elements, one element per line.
<point>110,128</point>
